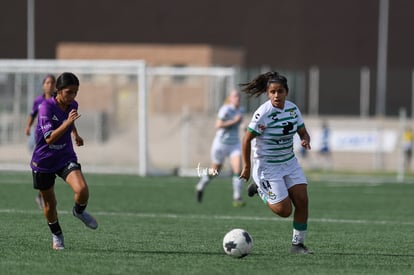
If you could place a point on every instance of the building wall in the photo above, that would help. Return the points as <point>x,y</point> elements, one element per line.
<point>339,37</point>
<point>154,54</point>
<point>288,34</point>
<point>166,94</point>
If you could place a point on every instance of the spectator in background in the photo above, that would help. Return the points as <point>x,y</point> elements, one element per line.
<point>407,143</point>
<point>325,148</point>
<point>325,135</point>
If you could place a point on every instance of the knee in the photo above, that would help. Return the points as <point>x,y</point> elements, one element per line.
<point>81,192</point>
<point>284,213</point>
<point>283,210</point>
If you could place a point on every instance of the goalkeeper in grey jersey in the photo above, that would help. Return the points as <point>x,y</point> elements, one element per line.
<point>226,144</point>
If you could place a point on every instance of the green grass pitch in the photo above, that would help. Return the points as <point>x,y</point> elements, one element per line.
<point>153,225</point>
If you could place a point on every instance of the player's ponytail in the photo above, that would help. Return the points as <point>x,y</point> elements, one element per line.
<point>259,85</point>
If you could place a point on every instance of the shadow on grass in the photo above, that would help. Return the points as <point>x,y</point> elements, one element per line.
<point>161,252</point>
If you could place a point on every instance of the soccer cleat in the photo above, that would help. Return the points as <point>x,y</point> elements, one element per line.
<point>300,248</point>
<point>252,189</point>
<point>239,203</point>
<point>86,218</point>
<point>199,195</point>
<point>39,201</point>
<point>58,242</point>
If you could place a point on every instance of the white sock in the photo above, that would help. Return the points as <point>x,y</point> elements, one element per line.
<point>298,236</point>
<point>237,187</point>
<point>204,180</point>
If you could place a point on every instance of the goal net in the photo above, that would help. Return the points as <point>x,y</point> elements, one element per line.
<point>135,118</point>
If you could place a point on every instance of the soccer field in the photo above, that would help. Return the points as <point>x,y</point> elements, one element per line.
<point>153,225</point>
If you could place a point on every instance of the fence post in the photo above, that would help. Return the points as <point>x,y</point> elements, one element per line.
<point>364,90</point>
<point>314,91</point>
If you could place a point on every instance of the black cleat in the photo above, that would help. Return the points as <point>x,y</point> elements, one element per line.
<point>252,189</point>
<point>300,249</point>
<point>199,195</point>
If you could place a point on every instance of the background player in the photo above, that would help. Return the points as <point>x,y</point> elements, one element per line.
<point>226,144</point>
<point>48,87</point>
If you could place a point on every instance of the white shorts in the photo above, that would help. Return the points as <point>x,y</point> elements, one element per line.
<point>274,180</point>
<point>219,151</point>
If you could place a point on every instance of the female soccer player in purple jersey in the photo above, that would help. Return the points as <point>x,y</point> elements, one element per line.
<point>54,155</point>
<point>278,178</point>
<point>48,87</point>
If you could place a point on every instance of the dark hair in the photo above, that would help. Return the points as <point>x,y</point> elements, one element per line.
<point>66,79</point>
<point>259,85</point>
<point>51,76</point>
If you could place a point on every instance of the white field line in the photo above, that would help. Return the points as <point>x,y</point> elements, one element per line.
<point>214,217</point>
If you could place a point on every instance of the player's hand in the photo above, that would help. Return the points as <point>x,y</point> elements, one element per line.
<point>245,174</point>
<point>305,144</point>
<point>73,115</point>
<point>78,140</point>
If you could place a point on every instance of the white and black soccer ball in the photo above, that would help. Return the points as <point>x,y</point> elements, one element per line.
<point>237,243</point>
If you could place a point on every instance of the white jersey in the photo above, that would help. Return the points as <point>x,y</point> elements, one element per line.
<point>229,135</point>
<point>274,129</point>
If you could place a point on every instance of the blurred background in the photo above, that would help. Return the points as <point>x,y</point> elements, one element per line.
<point>154,74</point>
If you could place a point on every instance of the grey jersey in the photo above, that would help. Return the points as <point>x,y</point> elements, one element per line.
<point>229,135</point>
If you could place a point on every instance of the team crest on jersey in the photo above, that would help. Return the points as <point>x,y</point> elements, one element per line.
<point>293,113</point>
<point>261,127</point>
<point>272,195</point>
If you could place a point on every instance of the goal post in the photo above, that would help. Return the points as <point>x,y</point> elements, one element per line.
<point>25,77</point>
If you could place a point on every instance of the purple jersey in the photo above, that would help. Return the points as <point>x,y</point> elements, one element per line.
<point>49,158</point>
<point>36,103</point>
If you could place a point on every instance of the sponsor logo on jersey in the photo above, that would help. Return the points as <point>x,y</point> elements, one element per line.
<point>57,146</point>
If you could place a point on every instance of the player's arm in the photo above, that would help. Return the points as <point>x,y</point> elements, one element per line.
<point>228,123</point>
<point>304,137</point>
<point>78,139</point>
<point>29,124</point>
<point>246,153</point>
<point>54,135</point>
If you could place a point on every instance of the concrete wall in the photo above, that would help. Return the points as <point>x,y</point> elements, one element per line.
<point>154,54</point>
<point>167,146</point>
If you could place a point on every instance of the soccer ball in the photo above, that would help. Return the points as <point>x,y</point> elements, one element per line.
<point>237,243</point>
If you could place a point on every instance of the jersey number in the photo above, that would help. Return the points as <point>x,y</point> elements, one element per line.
<point>266,185</point>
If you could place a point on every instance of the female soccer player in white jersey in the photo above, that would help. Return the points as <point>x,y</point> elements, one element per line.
<point>226,144</point>
<point>278,178</point>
